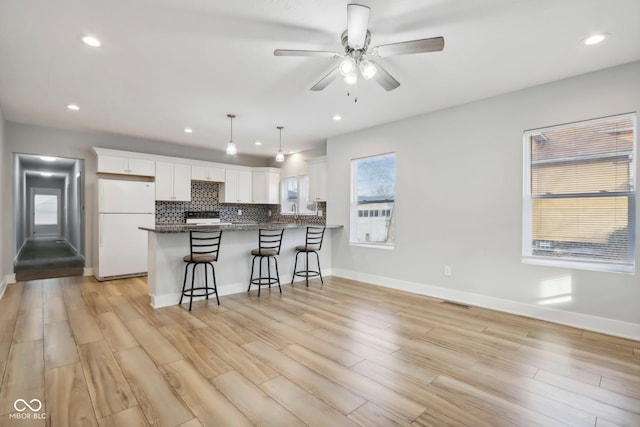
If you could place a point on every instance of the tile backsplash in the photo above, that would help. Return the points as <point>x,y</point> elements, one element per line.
<point>205,197</point>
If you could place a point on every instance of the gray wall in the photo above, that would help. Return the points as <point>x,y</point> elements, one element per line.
<point>31,139</point>
<point>459,201</point>
<point>4,237</point>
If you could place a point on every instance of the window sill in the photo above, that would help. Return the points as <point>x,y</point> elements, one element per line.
<point>374,246</point>
<point>606,267</point>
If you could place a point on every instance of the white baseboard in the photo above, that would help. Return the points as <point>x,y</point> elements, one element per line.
<point>3,287</point>
<point>166,300</point>
<point>577,320</point>
<point>88,271</point>
<point>158,301</point>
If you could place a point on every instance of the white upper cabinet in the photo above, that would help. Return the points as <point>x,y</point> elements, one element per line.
<point>318,179</point>
<point>265,186</point>
<point>126,165</point>
<point>207,173</point>
<point>173,182</point>
<point>237,186</point>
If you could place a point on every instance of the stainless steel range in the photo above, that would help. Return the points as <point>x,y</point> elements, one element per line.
<point>204,218</point>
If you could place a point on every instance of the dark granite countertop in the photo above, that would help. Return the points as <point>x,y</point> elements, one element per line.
<point>183,228</point>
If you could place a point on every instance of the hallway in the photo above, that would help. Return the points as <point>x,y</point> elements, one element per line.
<point>44,259</point>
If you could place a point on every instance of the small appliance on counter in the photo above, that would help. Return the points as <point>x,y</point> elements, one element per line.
<point>204,218</point>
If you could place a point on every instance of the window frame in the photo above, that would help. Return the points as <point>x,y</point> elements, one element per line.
<point>354,212</point>
<point>594,264</point>
<point>298,180</point>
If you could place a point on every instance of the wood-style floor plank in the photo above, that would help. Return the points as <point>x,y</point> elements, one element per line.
<point>261,410</point>
<point>59,345</point>
<point>318,385</point>
<point>312,411</point>
<point>204,400</point>
<point>129,417</point>
<point>115,332</point>
<point>154,343</point>
<point>68,400</point>
<point>109,390</point>
<point>157,399</point>
<point>338,353</point>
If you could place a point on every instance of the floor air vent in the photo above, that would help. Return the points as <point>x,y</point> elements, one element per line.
<point>457,304</point>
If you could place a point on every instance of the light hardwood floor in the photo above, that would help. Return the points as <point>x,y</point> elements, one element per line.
<point>340,354</point>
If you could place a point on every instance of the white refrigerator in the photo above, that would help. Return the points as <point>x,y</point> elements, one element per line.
<point>123,206</point>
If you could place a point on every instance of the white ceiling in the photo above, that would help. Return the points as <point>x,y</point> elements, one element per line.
<point>170,64</point>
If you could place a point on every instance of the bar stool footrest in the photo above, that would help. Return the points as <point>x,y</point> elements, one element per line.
<point>193,292</point>
<point>265,281</point>
<point>302,273</point>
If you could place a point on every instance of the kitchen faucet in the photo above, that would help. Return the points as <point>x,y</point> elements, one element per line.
<point>294,210</point>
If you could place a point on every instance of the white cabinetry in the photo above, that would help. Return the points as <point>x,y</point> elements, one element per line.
<point>173,182</point>
<point>318,179</point>
<point>237,185</point>
<point>126,165</point>
<point>265,185</point>
<point>207,173</point>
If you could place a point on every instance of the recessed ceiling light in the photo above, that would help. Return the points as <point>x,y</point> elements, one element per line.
<point>258,142</point>
<point>188,130</point>
<point>73,107</point>
<point>337,117</point>
<point>46,174</point>
<point>595,39</point>
<point>292,152</point>
<point>91,41</point>
<point>48,158</point>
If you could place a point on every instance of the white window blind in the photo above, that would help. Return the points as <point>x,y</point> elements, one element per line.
<point>579,195</point>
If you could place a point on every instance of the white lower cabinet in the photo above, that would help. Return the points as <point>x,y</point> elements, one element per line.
<point>173,182</point>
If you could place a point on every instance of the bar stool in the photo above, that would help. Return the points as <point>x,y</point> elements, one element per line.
<point>269,242</point>
<point>312,244</point>
<point>205,247</point>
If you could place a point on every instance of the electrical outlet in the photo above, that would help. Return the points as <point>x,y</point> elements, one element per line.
<point>240,212</point>
<point>320,213</point>
<point>447,270</point>
<point>269,212</point>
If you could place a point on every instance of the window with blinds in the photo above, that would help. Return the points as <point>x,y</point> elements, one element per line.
<point>579,195</point>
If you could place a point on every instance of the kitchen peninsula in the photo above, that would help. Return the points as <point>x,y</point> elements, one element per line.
<point>168,244</point>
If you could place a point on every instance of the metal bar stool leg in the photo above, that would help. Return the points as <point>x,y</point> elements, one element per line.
<point>215,285</point>
<point>295,266</point>
<point>184,282</point>
<point>319,270</point>
<point>253,264</point>
<point>307,275</point>
<point>277,273</point>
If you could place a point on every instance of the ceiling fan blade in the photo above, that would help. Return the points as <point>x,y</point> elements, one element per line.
<point>385,79</point>
<point>357,23</point>
<point>320,53</point>
<point>324,82</point>
<point>433,44</point>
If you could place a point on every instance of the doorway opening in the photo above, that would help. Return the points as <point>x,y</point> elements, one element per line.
<point>48,217</point>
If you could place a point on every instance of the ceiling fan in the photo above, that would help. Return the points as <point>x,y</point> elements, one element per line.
<point>358,58</point>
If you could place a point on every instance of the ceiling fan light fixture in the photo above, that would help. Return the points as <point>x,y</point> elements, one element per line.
<point>367,69</point>
<point>280,154</point>
<point>231,146</point>
<point>351,79</point>
<point>347,66</point>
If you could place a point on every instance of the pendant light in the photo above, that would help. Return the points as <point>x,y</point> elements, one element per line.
<point>231,146</point>
<point>280,154</point>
